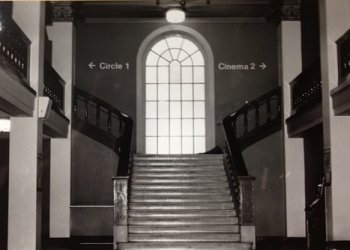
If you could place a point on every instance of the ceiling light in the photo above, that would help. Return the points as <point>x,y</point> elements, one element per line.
<point>175,16</point>
<point>5,125</point>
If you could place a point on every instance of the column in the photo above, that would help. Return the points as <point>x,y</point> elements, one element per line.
<point>290,62</point>
<point>24,219</point>
<point>334,22</point>
<point>61,33</point>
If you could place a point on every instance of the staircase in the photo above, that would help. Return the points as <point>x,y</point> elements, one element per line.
<point>181,202</point>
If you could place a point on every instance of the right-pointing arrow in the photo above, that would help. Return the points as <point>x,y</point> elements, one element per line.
<point>263,66</point>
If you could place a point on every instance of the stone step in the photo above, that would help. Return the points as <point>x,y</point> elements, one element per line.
<point>183,221</point>
<point>185,229</point>
<point>212,198</point>
<point>181,213</point>
<point>204,237</point>
<point>172,193</point>
<point>180,169</point>
<point>177,187</point>
<point>184,246</point>
<point>178,163</point>
<point>165,174</point>
<point>185,206</point>
<point>178,157</point>
<point>178,180</point>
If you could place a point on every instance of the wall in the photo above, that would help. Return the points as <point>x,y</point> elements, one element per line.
<point>4,188</point>
<point>232,43</point>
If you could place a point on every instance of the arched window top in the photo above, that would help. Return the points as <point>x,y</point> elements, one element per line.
<point>175,48</point>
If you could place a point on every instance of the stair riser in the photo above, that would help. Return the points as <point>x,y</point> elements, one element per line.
<point>186,221</point>
<point>187,214</point>
<point>175,169</point>
<point>184,238</point>
<point>168,194</point>
<point>179,175</point>
<point>184,246</point>
<point>199,206</point>
<point>181,200</point>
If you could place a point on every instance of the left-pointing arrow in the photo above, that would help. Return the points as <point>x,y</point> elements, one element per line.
<point>91,65</point>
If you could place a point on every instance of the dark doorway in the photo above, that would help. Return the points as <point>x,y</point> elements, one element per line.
<point>314,181</point>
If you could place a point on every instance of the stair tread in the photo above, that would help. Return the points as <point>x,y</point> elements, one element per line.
<point>184,229</point>
<point>183,237</point>
<point>179,175</point>
<point>172,193</point>
<point>184,246</point>
<point>182,213</point>
<point>184,221</point>
<point>172,206</point>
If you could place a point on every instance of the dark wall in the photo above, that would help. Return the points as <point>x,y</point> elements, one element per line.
<point>310,32</point>
<point>4,189</point>
<point>233,43</point>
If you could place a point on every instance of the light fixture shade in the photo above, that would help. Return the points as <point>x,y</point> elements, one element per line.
<point>175,16</point>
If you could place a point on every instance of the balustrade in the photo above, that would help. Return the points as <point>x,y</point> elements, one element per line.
<point>54,87</point>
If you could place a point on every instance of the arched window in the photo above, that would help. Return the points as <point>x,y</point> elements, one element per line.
<point>174,93</point>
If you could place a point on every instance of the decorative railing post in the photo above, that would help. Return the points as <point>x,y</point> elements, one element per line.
<point>246,186</point>
<point>120,225</point>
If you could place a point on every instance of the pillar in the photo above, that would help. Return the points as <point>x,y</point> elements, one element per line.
<point>61,33</point>
<point>24,218</point>
<point>290,62</point>
<point>334,22</point>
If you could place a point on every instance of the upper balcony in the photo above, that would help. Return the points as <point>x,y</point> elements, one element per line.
<point>341,94</point>
<point>16,95</point>
<point>306,98</point>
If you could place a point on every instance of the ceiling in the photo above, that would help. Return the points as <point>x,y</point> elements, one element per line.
<point>157,8</point>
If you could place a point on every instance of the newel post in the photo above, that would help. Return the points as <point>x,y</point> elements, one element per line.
<point>120,222</point>
<point>247,209</point>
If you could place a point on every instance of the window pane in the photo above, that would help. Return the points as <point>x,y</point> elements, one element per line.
<point>151,127</point>
<point>187,75</point>
<point>163,127</point>
<point>187,62</point>
<point>198,74</point>
<point>167,56</point>
<point>175,72</point>
<point>163,145</point>
<point>187,127</point>
<point>175,41</point>
<point>199,93</point>
<point>163,62</point>
<point>198,58</point>
<point>199,145</point>
<point>163,92</point>
<point>175,93</point>
<point>175,145</point>
<point>163,109</point>
<point>151,75</point>
<point>189,46</point>
<point>160,47</point>
<point>152,59</point>
<point>187,145</point>
<point>175,109</point>
<point>187,109</point>
<point>151,110</point>
<point>182,55</point>
<point>175,127</point>
<point>163,75</point>
<point>151,92</point>
<point>199,127</point>
<point>151,145</point>
<point>187,92</point>
<point>175,53</point>
<point>199,110</point>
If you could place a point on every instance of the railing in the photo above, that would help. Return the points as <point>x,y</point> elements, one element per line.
<point>14,47</point>
<point>107,125</point>
<point>306,88</point>
<point>343,45</point>
<point>54,87</point>
<point>251,123</point>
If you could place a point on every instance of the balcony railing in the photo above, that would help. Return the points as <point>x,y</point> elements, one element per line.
<point>54,87</point>
<point>306,88</point>
<point>14,47</point>
<point>343,45</point>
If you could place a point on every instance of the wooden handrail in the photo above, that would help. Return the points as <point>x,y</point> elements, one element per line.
<point>104,123</point>
<point>257,125</point>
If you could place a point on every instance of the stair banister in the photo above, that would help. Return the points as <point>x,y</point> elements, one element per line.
<point>238,137</point>
<point>113,128</point>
